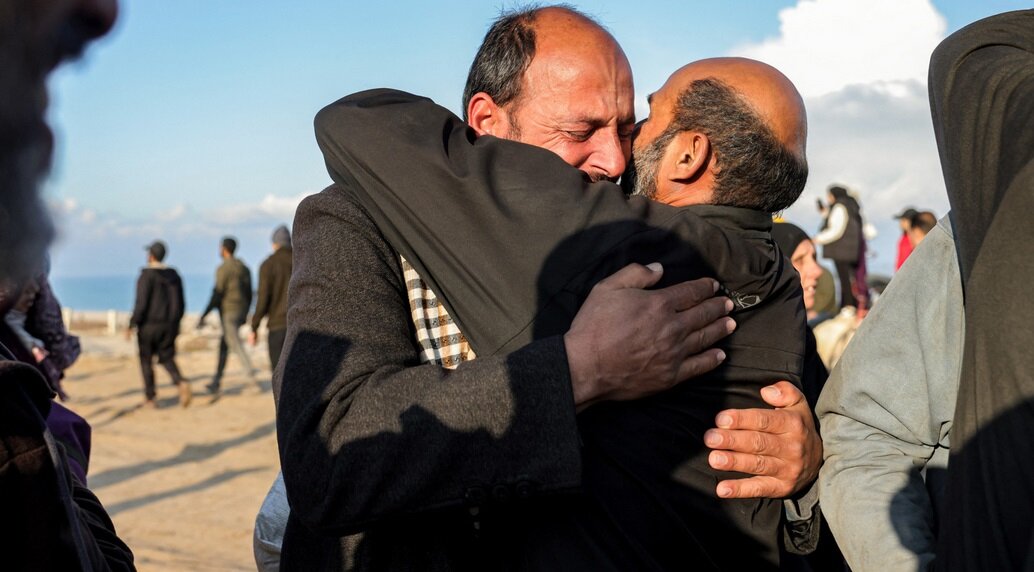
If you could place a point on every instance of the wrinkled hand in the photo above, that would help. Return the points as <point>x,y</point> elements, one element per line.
<point>627,342</point>
<point>779,446</point>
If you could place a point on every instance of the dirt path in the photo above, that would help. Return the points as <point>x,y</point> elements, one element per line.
<point>182,485</point>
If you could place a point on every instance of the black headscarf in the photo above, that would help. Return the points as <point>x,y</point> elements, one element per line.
<point>982,98</point>
<point>787,236</point>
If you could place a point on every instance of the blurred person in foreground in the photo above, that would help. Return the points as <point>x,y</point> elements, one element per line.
<point>50,520</point>
<point>905,246</point>
<point>886,414</point>
<point>156,317</point>
<point>231,296</point>
<point>271,302</point>
<point>982,98</point>
<point>36,320</point>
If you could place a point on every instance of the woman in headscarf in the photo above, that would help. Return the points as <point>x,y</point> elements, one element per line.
<point>843,242</point>
<point>796,246</point>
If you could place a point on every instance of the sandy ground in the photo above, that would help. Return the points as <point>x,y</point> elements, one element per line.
<point>182,485</point>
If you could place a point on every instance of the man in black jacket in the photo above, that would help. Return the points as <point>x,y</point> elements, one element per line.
<point>726,135</point>
<point>49,520</point>
<point>274,277</point>
<point>353,402</point>
<point>156,317</point>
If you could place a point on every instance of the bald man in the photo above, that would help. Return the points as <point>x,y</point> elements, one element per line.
<point>517,240</point>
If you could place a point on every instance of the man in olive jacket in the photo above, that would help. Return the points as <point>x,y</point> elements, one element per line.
<point>232,297</point>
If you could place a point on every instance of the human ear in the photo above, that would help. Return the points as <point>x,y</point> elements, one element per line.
<point>486,117</point>
<point>692,155</point>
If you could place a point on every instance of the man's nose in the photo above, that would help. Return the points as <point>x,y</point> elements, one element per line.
<point>608,155</point>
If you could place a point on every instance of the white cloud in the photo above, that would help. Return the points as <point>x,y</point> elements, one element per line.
<point>827,45</point>
<point>270,207</point>
<point>92,242</point>
<point>861,67</point>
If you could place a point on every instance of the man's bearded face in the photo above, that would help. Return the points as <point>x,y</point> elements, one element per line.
<point>35,36</point>
<point>642,171</point>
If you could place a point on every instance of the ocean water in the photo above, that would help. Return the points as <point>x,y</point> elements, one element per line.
<point>117,292</point>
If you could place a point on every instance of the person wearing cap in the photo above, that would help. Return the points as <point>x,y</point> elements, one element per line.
<point>920,225</point>
<point>904,243</point>
<point>156,318</point>
<point>274,277</point>
<point>232,297</point>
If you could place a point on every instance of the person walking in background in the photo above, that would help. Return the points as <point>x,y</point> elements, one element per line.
<point>904,243</point>
<point>156,318</point>
<point>232,297</point>
<point>842,242</point>
<point>274,277</point>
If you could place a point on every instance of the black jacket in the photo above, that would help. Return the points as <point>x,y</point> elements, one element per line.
<point>512,239</point>
<point>159,298</point>
<point>274,277</point>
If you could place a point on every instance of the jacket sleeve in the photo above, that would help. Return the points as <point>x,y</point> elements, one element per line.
<point>465,206</point>
<point>217,291</point>
<point>886,412</point>
<point>366,433</point>
<point>246,289</point>
<point>143,297</point>
<point>264,296</point>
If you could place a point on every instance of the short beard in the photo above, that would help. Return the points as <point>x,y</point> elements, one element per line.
<point>642,171</point>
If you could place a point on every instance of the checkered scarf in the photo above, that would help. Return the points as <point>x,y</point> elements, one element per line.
<point>440,339</point>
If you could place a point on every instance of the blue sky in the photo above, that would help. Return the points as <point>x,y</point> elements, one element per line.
<point>193,118</point>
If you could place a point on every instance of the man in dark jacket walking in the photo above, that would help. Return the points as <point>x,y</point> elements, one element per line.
<point>274,277</point>
<point>232,297</point>
<point>156,317</point>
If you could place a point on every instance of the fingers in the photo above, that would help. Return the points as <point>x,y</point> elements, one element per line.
<point>782,394</point>
<point>754,487</point>
<point>776,421</point>
<point>704,324</point>
<point>700,364</point>
<point>633,276</point>
<point>686,295</point>
<point>747,442</point>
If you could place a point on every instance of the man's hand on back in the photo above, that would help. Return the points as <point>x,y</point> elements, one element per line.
<point>779,446</point>
<point>627,342</point>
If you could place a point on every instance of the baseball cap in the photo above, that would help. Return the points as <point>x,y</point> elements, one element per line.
<point>907,213</point>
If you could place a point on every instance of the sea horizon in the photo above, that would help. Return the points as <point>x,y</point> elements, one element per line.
<point>117,291</point>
